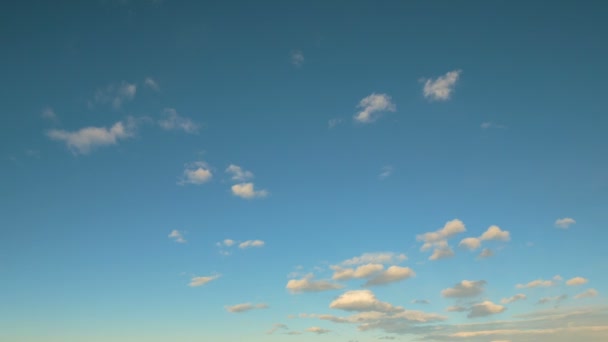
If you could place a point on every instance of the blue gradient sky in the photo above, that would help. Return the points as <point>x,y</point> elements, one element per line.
<point>120,119</point>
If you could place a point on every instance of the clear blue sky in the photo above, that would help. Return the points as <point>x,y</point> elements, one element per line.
<point>269,171</point>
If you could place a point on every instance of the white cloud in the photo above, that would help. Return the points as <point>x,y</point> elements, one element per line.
<point>465,288</point>
<point>470,243</point>
<point>196,173</point>
<point>362,300</point>
<point>376,258</point>
<point>238,308</point>
<point>49,114</point>
<point>442,87</point>
<point>576,281</point>
<point>308,284</point>
<point>587,294</point>
<point>556,299</point>
<point>227,242</point>
<point>200,281</point>
<point>247,191</point>
<point>318,330</point>
<point>391,275</point>
<point>238,174</point>
<point>334,122</point>
<point>485,308</point>
<point>539,283</point>
<point>386,172</point>
<point>564,223</point>
<point>372,106</point>
<point>88,138</point>
<point>297,58</point>
<point>251,243</point>
<point>149,82</point>
<point>495,233</point>
<point>488,125</point>
<point>174,122</point>
<point>177,236</point>
<point>439,239</point>
<point>442,252</point>
<point>116,95</point>
<point>515,298</point>
<point>363,271</point>
<point>486,253</point>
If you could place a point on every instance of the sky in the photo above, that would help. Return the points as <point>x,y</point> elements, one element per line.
<point>186,171</point>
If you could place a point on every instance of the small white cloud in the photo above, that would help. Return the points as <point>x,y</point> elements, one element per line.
<point>517,297</point>
<point>564,223</point>
<point>556,299</point>
<point>442,87</point>
<point>196,173</point>
<point>386,172</point>
<point>227,242</point>
<point>318,330</point>
<point>539,283</point>
<point>372,107</point>
<point>116,95</point>
<point>251,243</point>
<point>577,281</point>
<point>174,122</point>
<point>238,174</point>
<point>488,125</point>
<point>49,114</point>
<point>200,281</point>
<point>464,289</point>
<point>485,308</point>
<point>376,258</point>
<point>391,275</point>
<point>334,122</point>
<point>177,236</point>
<point>88,138</point>
<point>470,243</point>
<point>238,308</point>
<point>587,294</point>
<point>308,284</point>
<point>150,83</point>
<point>297,58</point>
<point>495,233</point>
<point>486,253</point>
<point>247,191</point>
<point>362,301</point>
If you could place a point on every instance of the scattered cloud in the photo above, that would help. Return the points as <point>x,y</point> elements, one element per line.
<point>247,191</point>
<point>177,236</point>
<point>251,243</point>
<point>226,243</point>
<point>297,58</point>
<point>196,173</point>
<point>376,258</point>
<point>556,299</point>
<point>441,88</point>
<point>386,172</point>
<point>363,271</point>
<point>238,174</point>
<point>172,121</point>
<point>439,239</point>
<point>492,233</point>
<point>485,308</point>
<point>471,243</point>
<point>564,223</point>
<point>318,330</point>
<point>576,281</point>
<point>515,298</point>
<point>86,139</point>
<point>238,308</point>
<point>334,122</point>
<point>456,308</point>
<point>391,275</point>
<point>151,83</point>
<point>200,281</point>
<point>539,283</point>
<point>361,300</point>
<point>308,284</point>
<point>486,253</point>
<point>420,301</point>
<point>372,106</point>
<point>276,327</point>
<point>116,94</point>
<point>464,289</point>
<point>49,114</point>
<point>587,294</point>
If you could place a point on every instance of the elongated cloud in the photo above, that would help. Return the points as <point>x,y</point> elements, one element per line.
<point>391,275</point>
<point>362,300</point>
<point>318,330</point>
<point>196,173</point>
<point>590,293</point>
<point>373,106</point>
<point>248,191</point>
<point>555,299</point>
<point>441,88</point>
<point>200,281</point>
<point>177,236</point>
<point>539,283</point>
<point>577,281</point>
<point>515,298</point>
<point>308,284</point>
<point>464,289</point>
<point>244,307</point>
<point>363,271</point>
<point>485,308</point>
<point>376,258</point>
<point>564,223</point>
<point>86,139</point>
<point>251,243</point>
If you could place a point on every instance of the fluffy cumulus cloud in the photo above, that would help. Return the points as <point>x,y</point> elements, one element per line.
<point>375,258</point>
<point>485,308</point>
<point>363,271</point>
<point>540,283</point>
<point>308,284</point>
<point>373,106</point>
<point>441,88</point>
<point>438,240</point>
<point>172,121</point>
<point>116,94</point>
<point>361,300</point>
<point>200,281</point>
<point>247,191</point>
<point>297,58</point>
<point>576,281</point>
<point>464,289</point>
<point>177,236</point>
<point>238,308</point>
<point>564,223</point>
<point>318,330</point>
<point>238,174</point>
<point>391,275</point>
<point>471,243</point>
<point>492,233</point>
<point>515,298</point>
<point>590,293</point>
<point>196,173</point>
<point>86,139</point>
<point>251,243</point>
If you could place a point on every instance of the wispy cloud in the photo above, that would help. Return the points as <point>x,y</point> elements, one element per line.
<point>200,281</point>
<point>297,58</point>
<point>49,114</point>
<point>488,125</point>
<point>177,236</point>
<point>276,327</point>
<point>539,283</point>
<point>116,94</point>
<point>238,173</point>
<point>86,139</point>
<point>373,106</point>
<point>251,243</point>
<point>196,173</point>
<point>151,83</point>
<point>386,172</point>
<point>590,293</point>
<point>318,330</point>
<point>556,299</point>
<point>334,122</point>
<point>565,222</point>
<point>441,88</point>
<point>375,258</point>
<point>172,121</point>
<point>515,298</point>
<point>244,307</point>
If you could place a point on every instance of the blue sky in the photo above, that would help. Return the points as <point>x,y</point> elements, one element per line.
<point>346,170</point>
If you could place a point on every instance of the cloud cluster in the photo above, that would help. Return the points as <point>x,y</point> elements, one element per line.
<point>196,173</point>
<point>492,233</point>
<point>465,289</point>
<point>172,121</point>
<point>116,94</point>
<point>372,107</point>
<point>177,236</point>
<point>308,284</point>
<point>438,240</point>
<point>243,189</point>
<point>86,139</point>
<point>441,88</point>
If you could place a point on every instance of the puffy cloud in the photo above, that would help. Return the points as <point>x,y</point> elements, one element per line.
<point>238,174</point>
<point>470,243</point>
<point>318,330</point>
<point>276,327</point>
<point>391,275</point>
<point>150,83</point>
<point>88,138</point>
<point>485,308</point>
<point>362,300</point>
<point>177,236</point>
<point>441,88</point>
<point>556,299</point>
<point>372,107</point>
<point>200,281</point>
<point>564,223</point>
<point>297,58</point>
<point>251,243</point>
<point>486,253</point>
<point>196,173</point>
<point>363,271</point>
<point>495,233</point>
<point>515,298</point>
<point>247,191</point>
<point>442,253</point>
<point>576,281</point>
<point>172,121</point>
<point>116,94</point>
<point>539,283</point>
<point>376,258</point>
<point>308,284</point>
<point>465,288</point>
<point>438,239</point>
<point>587,294</point>
<point>238,308</point>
